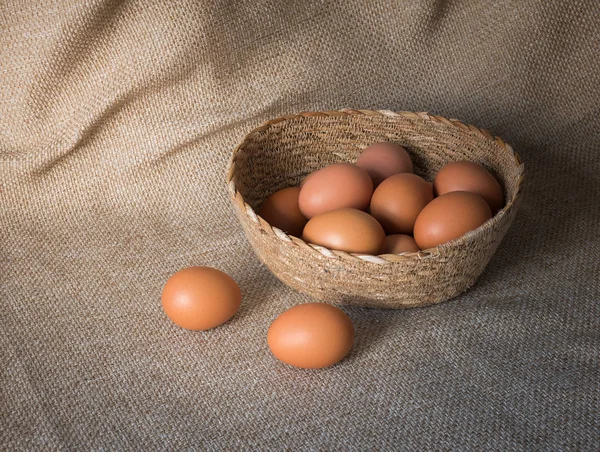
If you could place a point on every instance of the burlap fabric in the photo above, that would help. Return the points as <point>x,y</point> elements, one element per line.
<point>117,120</point>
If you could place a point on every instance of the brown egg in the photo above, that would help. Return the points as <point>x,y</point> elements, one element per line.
<point>450,216</point>
<point>382,160</point>
<point>350,230</point>
<point>200,298</point>
<point>399,243</point>
<point>303,181</point>
<point>311,336</point>
<point>281,210</point>
<point>471,177</point>
<point>398,201</point>
<point>333,187</point>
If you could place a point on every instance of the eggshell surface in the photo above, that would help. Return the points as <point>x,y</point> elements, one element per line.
<point>471,177</point>
<point>334,187</point>
<point>450,216</point>
<point>382,160</point>
<point>281,210</point>
<point>398,201</point>
<point>311,336</point>
<point>350,230</point>
<point>200,298</point>
<point>399,243</point>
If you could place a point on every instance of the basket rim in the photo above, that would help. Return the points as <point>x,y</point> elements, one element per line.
<point>381,258</point>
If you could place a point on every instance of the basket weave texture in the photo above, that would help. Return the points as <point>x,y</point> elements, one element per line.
<point>281,152</point>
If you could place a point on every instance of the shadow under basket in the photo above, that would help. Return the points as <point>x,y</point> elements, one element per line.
<point>281,152</point>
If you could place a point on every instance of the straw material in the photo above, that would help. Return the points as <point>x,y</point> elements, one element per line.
<point>281,152</point>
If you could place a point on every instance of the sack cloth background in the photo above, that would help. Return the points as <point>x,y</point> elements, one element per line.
<point>117,119</point>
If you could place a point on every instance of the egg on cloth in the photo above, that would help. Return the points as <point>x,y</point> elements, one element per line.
<point>311,336</point>
<point>200,298</point>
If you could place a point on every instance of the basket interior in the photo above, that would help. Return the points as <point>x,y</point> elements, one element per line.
<point>284,153</point>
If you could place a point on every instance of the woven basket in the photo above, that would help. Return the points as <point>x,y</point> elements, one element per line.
<point>281,152</point>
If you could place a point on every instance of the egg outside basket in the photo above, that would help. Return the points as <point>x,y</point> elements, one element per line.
<point>281,152</point>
